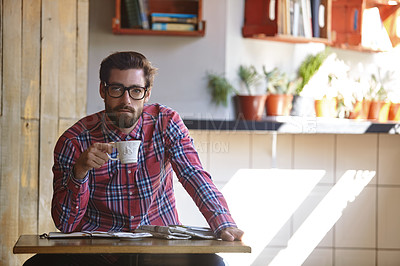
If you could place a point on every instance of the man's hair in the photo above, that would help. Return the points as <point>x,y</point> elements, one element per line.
<point>127,60</point>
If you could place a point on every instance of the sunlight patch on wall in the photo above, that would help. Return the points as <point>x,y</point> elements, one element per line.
<point>323,218</point>
<point>262,201</point>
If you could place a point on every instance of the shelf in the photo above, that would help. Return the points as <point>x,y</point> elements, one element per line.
<point>341,28</point>
<point>127,31</point>
<point>289,39</point>
<point>296,125</point>
<point>161,6</point>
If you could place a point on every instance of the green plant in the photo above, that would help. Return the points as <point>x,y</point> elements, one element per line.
<point>279,82</point>
<point>220,88</point>
<point>309,67</point>
<point>249,76</point>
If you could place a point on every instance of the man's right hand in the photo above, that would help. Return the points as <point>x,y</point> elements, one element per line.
<point>94,157</point>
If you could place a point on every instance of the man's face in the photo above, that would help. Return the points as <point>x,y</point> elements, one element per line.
<point>124,112</point>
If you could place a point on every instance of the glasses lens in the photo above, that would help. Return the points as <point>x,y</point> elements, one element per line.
<point>115,91</point>
<point>137,93</point>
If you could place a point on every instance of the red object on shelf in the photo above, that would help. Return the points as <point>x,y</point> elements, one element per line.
<point>257,18</point>
<point>347,21</point>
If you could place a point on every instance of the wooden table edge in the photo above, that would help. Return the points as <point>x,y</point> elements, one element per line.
<point>149,249</point>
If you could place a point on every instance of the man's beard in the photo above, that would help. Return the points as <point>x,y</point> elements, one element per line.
<point>123,120</point>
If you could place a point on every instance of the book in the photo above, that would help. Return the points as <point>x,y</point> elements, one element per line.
<point>172,26</point>
<point>305,10</point>
<point>143,9</point>
<point>174,17</point>
<point>315,17</point>
<point>132,8</point>
<point>177,231</point>
<point>296,19</point>
<point>95,234</point>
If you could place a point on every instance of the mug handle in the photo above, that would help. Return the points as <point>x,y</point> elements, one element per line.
<point>109,156</point>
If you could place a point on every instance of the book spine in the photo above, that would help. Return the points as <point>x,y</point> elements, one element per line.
<point>143,6</point>
<point>133,13</point>
<point>172,26</point>
<point>315,17</point>
<point>174,19</point>
<point>174,15</point>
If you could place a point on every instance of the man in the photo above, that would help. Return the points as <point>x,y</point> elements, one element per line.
<point>92,192</point>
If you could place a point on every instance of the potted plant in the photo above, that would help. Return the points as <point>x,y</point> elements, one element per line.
<point>379,108</point>
<point>304,105</point>
<point>220,88</point>
<point>280,89</point>
<point>361,100</point>
<point>249,106</point>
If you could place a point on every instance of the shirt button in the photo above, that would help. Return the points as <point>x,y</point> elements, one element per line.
<point>132,217</point>
<point>76,186</point>
<point>131,193</point>
<point>129,171</point>
<point>76,207</point>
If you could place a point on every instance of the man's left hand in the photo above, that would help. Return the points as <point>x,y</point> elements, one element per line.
<point>231,234</point>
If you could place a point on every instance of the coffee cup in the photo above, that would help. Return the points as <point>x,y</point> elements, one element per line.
<point>127,151</point>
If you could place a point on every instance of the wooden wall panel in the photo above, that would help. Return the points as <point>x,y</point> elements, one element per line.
<point>30,103</point>
<point>28,187</point>
<point>82,57</point>
<point>44,45</point>
<point>49,107</point>
<point>1,64</point>
<point>10,128</point>
<point>30,59</point>
<point>66,58</point>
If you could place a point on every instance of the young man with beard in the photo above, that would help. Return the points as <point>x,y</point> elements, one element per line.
<point>93,193</point>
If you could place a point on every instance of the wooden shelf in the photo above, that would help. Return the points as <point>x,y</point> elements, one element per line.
<point>259,23</point>
<point>162,6</point>
<point>290,39</point>
<point>342,26</point>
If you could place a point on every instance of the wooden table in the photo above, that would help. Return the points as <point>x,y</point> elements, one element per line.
<point>34,244</point>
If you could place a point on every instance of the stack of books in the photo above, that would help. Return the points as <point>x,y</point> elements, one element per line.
<point>301,17</point>
<point>173,21</point>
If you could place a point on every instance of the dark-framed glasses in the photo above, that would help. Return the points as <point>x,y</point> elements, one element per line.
<point>116,90</point>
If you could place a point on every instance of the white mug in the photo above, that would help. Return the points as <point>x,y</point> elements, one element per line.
<point>127,151</point>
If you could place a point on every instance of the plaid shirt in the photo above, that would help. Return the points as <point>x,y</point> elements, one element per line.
<point>120,197</point>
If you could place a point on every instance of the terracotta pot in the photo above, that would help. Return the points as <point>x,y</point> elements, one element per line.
<point>250,107</point>
<point>279,104</point>
<point>379,111</point>
<point>394,112</point>
<point>326,107</point>
<point>360,110</point>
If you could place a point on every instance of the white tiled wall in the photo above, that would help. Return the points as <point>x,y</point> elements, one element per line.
<point>368,230</point>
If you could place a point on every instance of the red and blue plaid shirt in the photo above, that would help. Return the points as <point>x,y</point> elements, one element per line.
<point>120,197</point>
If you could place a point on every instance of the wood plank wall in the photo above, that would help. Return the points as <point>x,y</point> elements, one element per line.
<point>43,61</point>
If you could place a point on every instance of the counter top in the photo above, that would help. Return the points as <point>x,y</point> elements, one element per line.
<point>297,125</point>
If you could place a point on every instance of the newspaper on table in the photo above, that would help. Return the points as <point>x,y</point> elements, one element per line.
<point>156,231</point>
<point>95,234</point>
<point>177,231</point>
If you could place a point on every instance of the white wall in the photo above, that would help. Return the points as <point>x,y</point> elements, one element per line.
<point>184,61</point>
